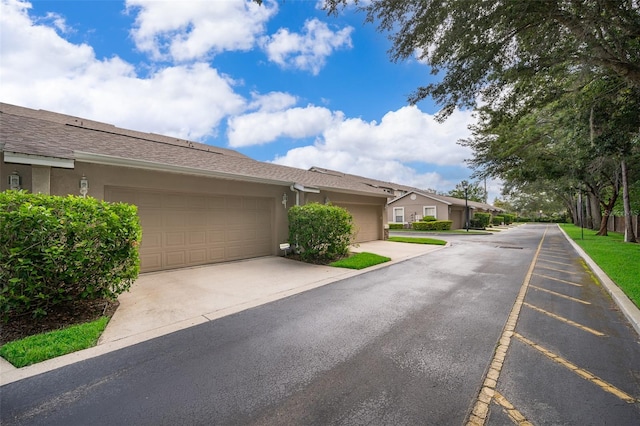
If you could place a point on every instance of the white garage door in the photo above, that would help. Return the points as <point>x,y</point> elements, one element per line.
<point>180,229</point>
<point>367,220</point>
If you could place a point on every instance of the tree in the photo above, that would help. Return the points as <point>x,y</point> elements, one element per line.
<point>474,192</point>
<point>484,47</point>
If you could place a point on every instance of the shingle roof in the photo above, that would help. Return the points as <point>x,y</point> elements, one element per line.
<point>407,189</point>
<point>48,134</point>
<point>451,200</point>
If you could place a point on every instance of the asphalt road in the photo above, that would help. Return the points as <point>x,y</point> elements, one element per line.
<point>420,342</point>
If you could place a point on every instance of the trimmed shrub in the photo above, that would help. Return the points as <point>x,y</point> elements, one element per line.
<point>437,225</point>
<point>320,231</point>
<point>64,249</point>
<point>428,219</point>
<point>481,220</point>
<point>508,218</point>
<point>497,220</point>
<point>396,226</point>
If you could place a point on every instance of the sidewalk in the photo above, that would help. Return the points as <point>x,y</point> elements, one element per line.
<point>160,303</point>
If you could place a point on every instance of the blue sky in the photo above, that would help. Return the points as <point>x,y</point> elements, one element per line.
<point>283,82</point>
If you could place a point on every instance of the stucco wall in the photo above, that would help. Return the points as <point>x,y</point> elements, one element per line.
<point>66,181</point>
<point>415,207</point>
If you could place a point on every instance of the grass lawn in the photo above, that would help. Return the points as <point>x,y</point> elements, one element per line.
<point>452,231</point>
<point>418,240</point>
<point>619,260</point>
<point>360,261</point>
<point>41,347</point>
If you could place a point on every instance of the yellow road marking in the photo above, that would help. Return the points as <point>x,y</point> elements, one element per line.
<point>565,320</point>
<point>480,410</point>
<point>552,250</point>
<point>558,263</point>
<point>560,295</point>
<point>558,279</point>
<point>556,256</point>
<point>607,387</point>
<point>558,270</point>
<point>515,415</point>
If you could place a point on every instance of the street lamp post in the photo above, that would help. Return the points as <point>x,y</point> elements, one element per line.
<point>466,207</point>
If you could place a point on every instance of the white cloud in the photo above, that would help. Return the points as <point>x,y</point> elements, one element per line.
<point>346,161</point>
<point>263,126</point>
<point>383,150</point>
<point>192,30</point>
<point>306,51</point>
<point>271,102</point>
<point>406,135</point>
<point>39,69</point>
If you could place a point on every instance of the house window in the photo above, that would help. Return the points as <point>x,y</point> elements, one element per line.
<point>398,214</point>
<point>430,211</point>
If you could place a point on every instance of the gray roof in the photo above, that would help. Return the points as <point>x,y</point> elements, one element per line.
<point>451,201</point>
<point>390,187</point>
<point>46,134</point>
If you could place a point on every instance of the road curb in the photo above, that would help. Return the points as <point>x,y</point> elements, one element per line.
<point>628,308</point>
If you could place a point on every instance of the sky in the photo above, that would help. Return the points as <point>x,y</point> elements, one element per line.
<point>283,82</point>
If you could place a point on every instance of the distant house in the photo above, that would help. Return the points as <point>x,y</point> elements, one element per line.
<point>407,204</point>
<point>414,205</point>
<point>198,204</point>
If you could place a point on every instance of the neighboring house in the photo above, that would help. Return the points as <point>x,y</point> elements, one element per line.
<point>198,204</point>
<point>414,205</point>
<point>407,204</point>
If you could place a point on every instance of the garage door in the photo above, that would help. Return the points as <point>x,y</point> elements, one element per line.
<point>367,221</point>
<point>180,229</point>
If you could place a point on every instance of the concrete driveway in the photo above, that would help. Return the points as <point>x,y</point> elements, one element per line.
<point>163,302</point>
<point>160,303</point>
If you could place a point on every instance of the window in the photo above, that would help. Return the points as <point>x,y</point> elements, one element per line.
<point>430,211</point>
<point>398,214</point>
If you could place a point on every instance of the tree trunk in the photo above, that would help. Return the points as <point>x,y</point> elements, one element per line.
<point>608,207</point>
<point>629,235</point>
<point>595,212</point>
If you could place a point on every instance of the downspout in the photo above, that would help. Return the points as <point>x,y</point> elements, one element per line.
<point>293,188</point>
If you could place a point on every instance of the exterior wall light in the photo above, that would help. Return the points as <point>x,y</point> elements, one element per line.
<point>14,181</point>
<point>84,186</point>
<point>284,200</point>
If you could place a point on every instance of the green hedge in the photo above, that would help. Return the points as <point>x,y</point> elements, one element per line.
<point>320,231</point>
<point>437,225</point>
<point>497,220</point>
<point>429,219</point>
<point>481,220</point>
<point>508,218</point>
<point>64,249</point>
<point>396,226</point>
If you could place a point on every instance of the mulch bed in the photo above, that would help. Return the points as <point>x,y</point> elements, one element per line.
<point>61,317</point>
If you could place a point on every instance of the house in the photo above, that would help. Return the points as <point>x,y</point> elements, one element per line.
<point>198,204</point>
<point>407,204</point>
<point>414,205</point>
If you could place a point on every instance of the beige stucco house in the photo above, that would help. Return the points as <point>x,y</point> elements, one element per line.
<point>407,204</point>
<point>414,205</point>
<point>197,203</point>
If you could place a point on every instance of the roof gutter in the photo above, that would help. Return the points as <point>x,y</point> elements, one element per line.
<point>38,160</point>
<point>298,188</point>
<point>110,160</point>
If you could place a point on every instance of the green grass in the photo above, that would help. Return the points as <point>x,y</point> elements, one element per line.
<point>418,240</point>
<point>360,261</point>
<point>41,347</point>
<point>451,231</point>
<point>619,260</point>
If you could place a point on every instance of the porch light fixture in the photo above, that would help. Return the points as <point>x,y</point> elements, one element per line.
<point>84,186</point>
<point>14,181</point>
<point>284,200</point>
